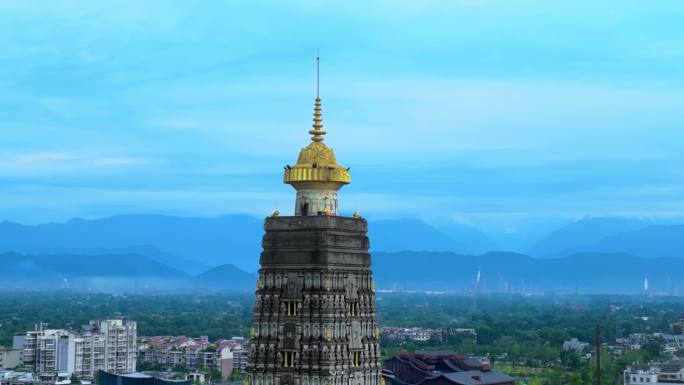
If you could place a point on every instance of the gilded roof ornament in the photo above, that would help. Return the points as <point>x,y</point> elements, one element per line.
<point>316,166</point>
<point>317,130</point>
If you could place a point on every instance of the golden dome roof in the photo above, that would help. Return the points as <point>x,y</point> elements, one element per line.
<point>316,166</point>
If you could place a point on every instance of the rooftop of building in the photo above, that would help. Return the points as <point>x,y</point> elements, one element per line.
<point>443,361</point>
<point>136,375</point>
<point>438,367</point>
<point>108,378</point>
<point>201,343</point>
<point>674,366</point>
<point>478,377</point>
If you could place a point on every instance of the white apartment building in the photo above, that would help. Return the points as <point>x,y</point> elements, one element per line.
<point>240,355</point>
<point>574,344</point>
<point>108,345</point>
<point>668,373</point>
<point>641,377</point>
<point>49,351</point>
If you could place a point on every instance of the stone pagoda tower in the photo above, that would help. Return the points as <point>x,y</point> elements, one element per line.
<point>315,320</point>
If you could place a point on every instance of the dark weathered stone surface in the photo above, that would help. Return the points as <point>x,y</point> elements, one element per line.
<point>315,241</point>
<point>315,302</point>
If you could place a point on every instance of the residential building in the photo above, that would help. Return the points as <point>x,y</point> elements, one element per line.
<point>240,356</point>
<point>108,345</point>
<point>441,368</point>
<point>413,333</point>
<point>637,340</point>
<point>49,351</point>
<point>419,334</point>
<point>18,342</point>
<point>9,358</point>
<point>574,344</point>
<point>193,353</point>
<point>9,377</point>
<point>671,372</point>
<point>462,331</point>
<point>639,376</point>
<point>672,342</point>
<point>102,345</point>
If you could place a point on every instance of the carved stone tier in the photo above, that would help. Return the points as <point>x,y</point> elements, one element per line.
<point>314,316</point>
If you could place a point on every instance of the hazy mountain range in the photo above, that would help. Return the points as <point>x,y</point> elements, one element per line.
<point>405,270</point>
<point>207,241</point>
<point>193,244</point>
<point>154,251</point>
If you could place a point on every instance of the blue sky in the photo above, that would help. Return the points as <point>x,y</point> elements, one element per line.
<point>499,114</point>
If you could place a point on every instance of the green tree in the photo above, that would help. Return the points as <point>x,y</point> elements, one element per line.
<point>571,359</point>
<point>214,375</point>
<point>608,369</point>
<point>652,348</point>
<point>236,375</point>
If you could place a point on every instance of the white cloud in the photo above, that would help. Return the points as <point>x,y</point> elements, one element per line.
<point>26,164</point>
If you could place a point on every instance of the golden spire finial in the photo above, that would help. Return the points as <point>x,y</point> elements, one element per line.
<point>317,130</point>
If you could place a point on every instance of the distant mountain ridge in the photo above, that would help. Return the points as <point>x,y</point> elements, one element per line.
<point>652,241</point>
<point>226,277</point>
<point>178,263</point>
<point>33,271</point>
<point>416,235</point>
<point>191,246</point>
<point>112,272</point>
<point>194,244</point>
<point>208,241</point>
<point>408,270</point>
<point>583,233</point>
<point>391,235</point>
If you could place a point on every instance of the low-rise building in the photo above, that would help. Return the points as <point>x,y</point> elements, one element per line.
<point>636,340</point>
<point>165,352</point>
<point>639,376</point>
<point>672,343</point>
<point>104,378</point>
<point>9,358</point>
<point>671,372</point>
<point>574,344</point>
<point>441,368</point>
<point>413,333</point>
<point>26,378</point>
<point>462,331</point>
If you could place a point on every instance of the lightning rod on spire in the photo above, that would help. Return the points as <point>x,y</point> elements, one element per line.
<point>318,77</point>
